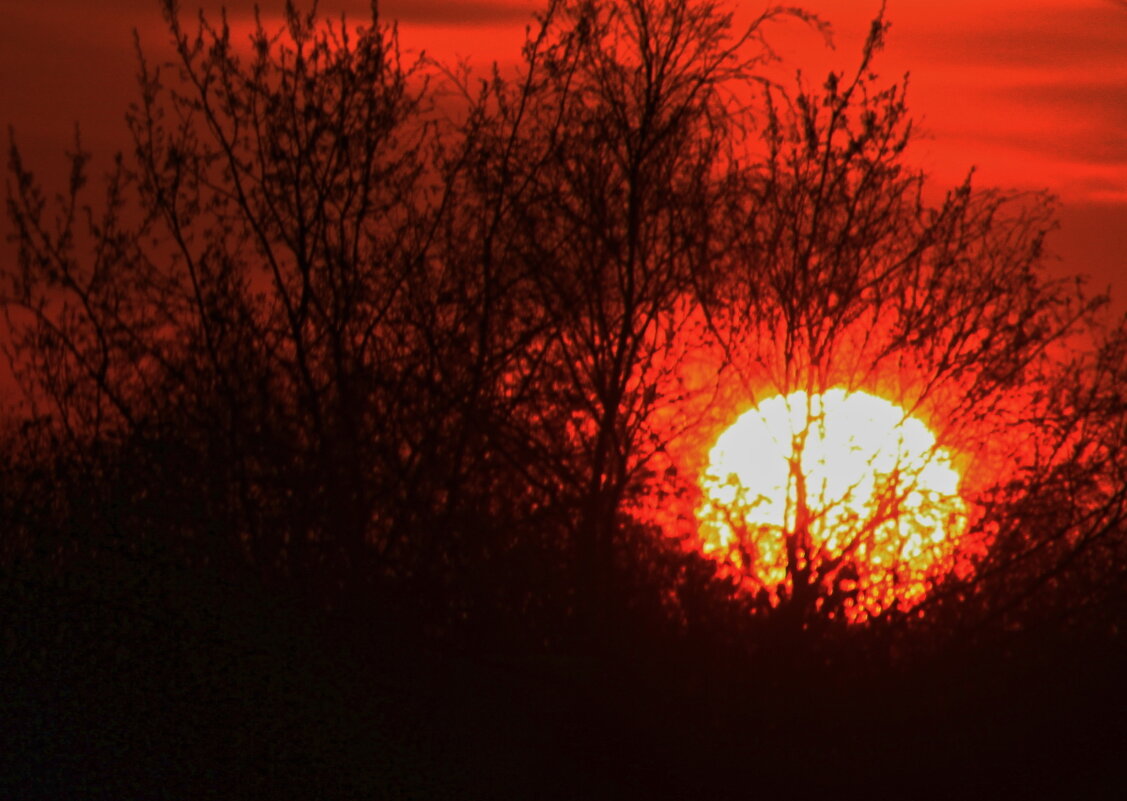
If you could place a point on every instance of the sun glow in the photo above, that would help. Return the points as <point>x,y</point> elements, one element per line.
<point>843,493</point>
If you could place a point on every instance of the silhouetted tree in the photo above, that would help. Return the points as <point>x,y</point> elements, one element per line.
<point>605,167</point>
<point>847,277</point>
<point>248,296</point>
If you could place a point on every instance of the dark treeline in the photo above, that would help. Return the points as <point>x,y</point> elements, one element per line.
<point>340,407</point>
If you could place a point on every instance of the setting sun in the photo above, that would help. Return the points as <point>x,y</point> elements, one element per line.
<point>844,492</point>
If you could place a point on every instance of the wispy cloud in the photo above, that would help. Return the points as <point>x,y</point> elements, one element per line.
<point>1035,90</point>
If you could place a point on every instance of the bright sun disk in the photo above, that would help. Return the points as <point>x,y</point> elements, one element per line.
<point>861,485</point>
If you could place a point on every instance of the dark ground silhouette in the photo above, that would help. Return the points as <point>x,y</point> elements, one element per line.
<point>145,681</point>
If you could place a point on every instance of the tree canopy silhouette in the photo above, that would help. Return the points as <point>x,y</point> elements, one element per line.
<point>390,330</point>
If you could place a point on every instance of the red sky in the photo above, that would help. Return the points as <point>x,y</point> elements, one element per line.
<point>1031,92</point>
